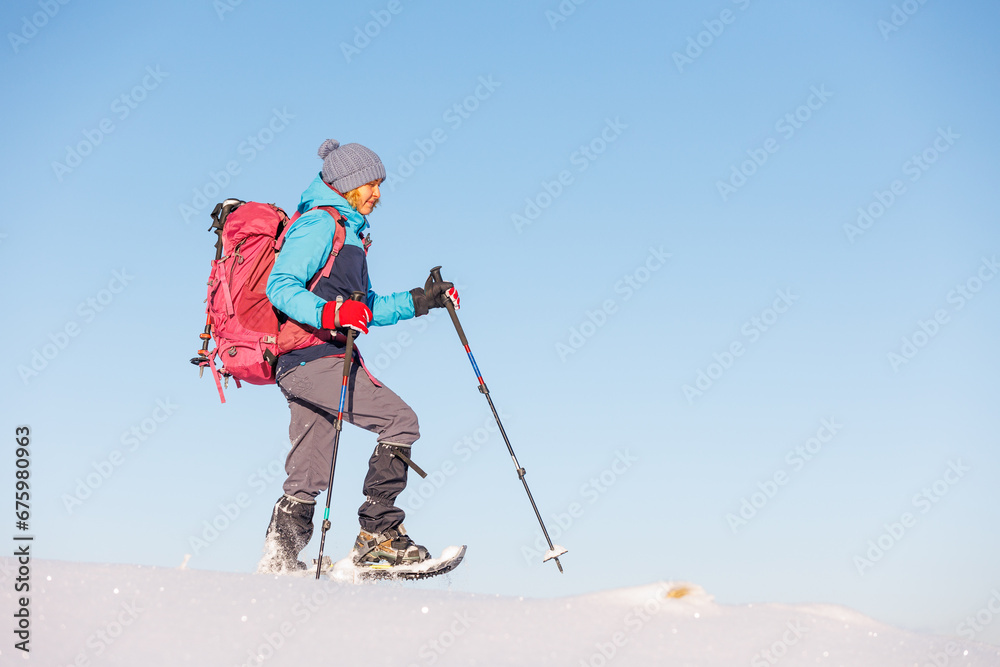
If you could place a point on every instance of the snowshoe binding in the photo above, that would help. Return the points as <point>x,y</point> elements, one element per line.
<point>392,547</point>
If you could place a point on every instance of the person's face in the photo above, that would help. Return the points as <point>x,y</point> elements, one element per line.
<point>370,194</point>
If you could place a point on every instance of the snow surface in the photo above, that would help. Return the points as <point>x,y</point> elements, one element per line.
<point>90,614</point>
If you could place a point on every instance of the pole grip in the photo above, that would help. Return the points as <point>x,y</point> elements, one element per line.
<point>436,277</point>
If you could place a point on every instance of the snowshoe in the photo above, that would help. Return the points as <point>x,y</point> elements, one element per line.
<point>346,570</point>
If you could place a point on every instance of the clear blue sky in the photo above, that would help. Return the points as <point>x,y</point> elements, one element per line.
<point>652,213</point>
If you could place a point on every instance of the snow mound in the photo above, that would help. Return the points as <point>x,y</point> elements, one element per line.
<point>88,614</point>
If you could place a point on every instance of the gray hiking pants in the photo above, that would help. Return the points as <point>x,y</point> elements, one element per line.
<point>313,393</point>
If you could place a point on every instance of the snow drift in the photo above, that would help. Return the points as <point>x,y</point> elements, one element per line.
<point>89,614</point>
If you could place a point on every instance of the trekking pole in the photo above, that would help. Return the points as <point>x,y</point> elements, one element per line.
<point>554,550</point>
<point>348,357</point>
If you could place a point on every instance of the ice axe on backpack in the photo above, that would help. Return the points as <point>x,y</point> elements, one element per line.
<point>348,358</point>
<point>554,549</point>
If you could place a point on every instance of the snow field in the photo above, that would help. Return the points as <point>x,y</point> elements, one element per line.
<point>90,614</point>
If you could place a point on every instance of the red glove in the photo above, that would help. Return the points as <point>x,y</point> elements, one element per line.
<point>351,314</point>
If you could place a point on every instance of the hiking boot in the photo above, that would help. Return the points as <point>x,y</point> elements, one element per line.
<point>288,534</point>
<point>392,546</point>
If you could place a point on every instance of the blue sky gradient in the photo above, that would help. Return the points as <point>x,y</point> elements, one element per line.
<point>652,214</point>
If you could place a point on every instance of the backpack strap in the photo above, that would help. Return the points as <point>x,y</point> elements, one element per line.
<point>339,238</point>
<point>215,372</point>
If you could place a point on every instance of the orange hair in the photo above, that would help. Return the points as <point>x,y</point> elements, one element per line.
<point>353,197</point>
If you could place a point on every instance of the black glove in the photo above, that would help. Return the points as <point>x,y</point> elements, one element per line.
<point>433,295</point>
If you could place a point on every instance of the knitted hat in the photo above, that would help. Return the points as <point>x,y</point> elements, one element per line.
<point>349,166</point>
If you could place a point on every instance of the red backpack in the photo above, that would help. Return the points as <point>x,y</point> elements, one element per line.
<point>249,332</point>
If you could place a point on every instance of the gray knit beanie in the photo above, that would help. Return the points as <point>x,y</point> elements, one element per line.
<point>349,166</point>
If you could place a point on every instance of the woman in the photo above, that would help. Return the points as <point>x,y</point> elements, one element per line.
<point>310,373</point>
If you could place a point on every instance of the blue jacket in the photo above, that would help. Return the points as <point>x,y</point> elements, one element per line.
<point>304,252</point>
